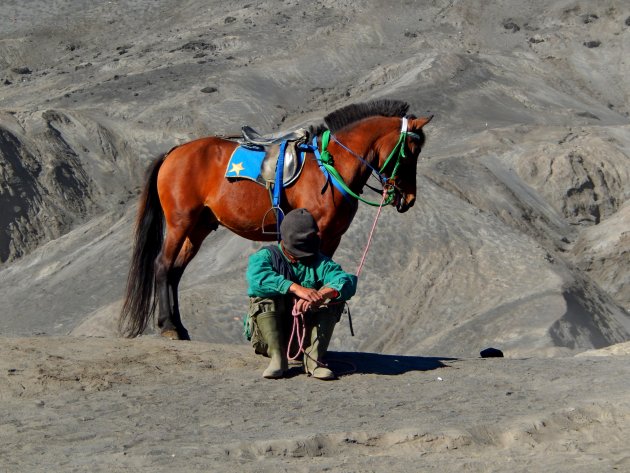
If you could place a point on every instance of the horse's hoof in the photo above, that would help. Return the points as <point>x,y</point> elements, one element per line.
<point>170,334</point>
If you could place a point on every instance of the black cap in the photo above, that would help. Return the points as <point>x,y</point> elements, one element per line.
<point>299,233</point>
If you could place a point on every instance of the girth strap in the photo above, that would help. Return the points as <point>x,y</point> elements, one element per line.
<point>277,187</point>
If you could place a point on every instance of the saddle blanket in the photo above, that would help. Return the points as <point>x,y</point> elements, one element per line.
<point>259,165</point>
<point>246,163</point>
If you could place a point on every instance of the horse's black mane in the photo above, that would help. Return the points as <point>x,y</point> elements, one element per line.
<point>344,116</point>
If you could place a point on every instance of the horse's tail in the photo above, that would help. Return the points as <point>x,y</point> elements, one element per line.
<point>139,303</point>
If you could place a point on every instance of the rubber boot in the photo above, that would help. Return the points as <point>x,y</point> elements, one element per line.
<point>321,333</point>
<point>269,326</point>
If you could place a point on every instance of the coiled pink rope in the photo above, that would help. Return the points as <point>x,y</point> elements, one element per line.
<point>298,329</point>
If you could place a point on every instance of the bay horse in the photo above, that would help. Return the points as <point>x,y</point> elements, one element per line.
<point>186,196</point>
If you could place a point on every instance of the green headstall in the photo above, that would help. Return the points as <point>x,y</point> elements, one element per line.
<point>397,153</point>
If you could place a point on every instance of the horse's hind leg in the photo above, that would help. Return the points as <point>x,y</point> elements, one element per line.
<point>169,321</point>
<point>175,237</point>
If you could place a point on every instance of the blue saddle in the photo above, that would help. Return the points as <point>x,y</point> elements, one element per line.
<point>274,165</point>
<point>263,165</point>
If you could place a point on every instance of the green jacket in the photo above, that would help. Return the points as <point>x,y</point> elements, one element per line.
<point>264,281</point>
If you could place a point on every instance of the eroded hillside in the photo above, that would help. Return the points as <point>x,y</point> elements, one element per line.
<point>519,237</point>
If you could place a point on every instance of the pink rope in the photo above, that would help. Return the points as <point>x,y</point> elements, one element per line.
<point>369,242</point>
<point>298,330</point>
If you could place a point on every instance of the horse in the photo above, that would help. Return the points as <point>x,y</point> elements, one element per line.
<point>186,196</point>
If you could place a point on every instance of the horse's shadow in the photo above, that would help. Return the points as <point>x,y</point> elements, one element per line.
<point>347,363</point>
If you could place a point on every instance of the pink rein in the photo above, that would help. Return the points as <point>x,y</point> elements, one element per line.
<point>298,331</point>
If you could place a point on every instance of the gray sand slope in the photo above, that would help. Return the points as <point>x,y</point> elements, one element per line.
<point>519,238</point>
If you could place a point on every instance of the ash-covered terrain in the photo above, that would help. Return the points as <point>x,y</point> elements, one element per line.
<point>519,239</point>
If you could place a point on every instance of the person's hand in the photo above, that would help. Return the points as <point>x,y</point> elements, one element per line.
<point>307,294</point>
<point>328,293</point>
<point>302,306</point>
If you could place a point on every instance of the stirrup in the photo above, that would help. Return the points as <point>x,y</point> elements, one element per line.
<point>275,210</point>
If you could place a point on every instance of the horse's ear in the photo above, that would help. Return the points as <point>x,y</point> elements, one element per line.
<point>418,123</point>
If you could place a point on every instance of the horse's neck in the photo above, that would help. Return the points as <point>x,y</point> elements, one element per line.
<point>363,141</point>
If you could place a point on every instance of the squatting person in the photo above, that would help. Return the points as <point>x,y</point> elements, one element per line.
<point>294,271</point>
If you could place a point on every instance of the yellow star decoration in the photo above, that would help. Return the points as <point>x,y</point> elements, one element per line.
<point>237,168</point>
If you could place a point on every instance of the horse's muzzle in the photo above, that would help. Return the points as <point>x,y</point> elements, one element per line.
<point>404,203</point>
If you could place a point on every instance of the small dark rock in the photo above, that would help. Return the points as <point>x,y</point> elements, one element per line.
<point>491,353</point>
<point>588,115</point>
<point>589,18</point>
<point>7,82</point>
<point>592,44</point>
<point>198,46</point>
<point>124,49</point>
<point>510,25</point>
<point>209,90</point>
<point>411,34</point>
<point>22,70</point>
<point>628,21</point>
<point>229,19</point>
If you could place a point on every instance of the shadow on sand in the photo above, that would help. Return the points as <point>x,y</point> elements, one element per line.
<point>347,363</point>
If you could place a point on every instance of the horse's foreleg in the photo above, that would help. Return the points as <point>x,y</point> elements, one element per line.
<point>330,245</point>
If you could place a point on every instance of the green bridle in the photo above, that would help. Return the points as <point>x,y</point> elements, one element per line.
<point>398,153</point>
